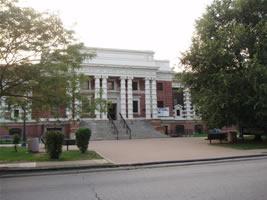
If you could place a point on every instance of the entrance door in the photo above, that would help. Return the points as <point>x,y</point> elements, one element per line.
<point>179,130</point>
<point>166,130</point>
<point>112,111</point>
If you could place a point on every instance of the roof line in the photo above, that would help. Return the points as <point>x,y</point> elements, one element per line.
<point>120,50</point>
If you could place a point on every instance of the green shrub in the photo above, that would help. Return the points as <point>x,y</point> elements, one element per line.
<point>82,139</point>
<point>14,131</point>
<point>16,140</point>
<point>53,143</point>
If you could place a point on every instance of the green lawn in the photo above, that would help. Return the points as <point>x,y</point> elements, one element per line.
<point>248,144</point>
<point>8,154</point>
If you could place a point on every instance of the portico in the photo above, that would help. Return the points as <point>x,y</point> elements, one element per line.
<point>137,102</point>
<point>127,79</point>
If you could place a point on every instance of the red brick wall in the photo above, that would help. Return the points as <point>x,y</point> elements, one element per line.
<point>141,95</point>
<point>189,126</point>
<point>32,129</point>
<point>165,95</point>
<point>48,114</point>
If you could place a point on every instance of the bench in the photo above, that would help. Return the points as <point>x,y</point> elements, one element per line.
<point>216,136</point>
<point>6,139</point>
<point>68,142</point>
<point>253,131</point>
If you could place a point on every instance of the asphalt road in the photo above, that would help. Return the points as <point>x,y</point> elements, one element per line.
<point>243,180</point>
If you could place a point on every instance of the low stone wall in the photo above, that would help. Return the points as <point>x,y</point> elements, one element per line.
<point>169,127</point>
<point>35,129</point>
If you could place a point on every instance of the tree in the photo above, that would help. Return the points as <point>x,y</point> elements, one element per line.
<point>36,52</point>
<point>38,56</point>
<point>23,104</point>
<point>226,65</point>
<point>39,63</point>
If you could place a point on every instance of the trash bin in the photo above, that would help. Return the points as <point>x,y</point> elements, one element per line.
<point>33,145</point>
<point>231,137</point>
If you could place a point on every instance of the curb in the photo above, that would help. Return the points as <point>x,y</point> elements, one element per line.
<point>13,171</point>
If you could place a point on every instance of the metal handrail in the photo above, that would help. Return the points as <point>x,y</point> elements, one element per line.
<point>126,126</point>
<point>116,131</point>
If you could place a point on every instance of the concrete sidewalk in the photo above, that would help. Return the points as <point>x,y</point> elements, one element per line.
<point>141,152</point>
<point>164,149</point>
<point>53,165</point>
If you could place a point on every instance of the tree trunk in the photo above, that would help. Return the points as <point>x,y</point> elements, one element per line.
<point>24,128</point>
<point>258,137</point>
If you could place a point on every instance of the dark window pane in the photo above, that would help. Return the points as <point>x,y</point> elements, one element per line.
<point>160,104</point>
<point>135,85</point>
<point>135,106</point>
<point>16,113</point>
<point>160,86</point>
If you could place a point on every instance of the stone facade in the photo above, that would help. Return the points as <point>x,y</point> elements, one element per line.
<point>136,85</point>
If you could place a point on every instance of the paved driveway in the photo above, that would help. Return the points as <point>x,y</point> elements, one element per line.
<point>163,149</point>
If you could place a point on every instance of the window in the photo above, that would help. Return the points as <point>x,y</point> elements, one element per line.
<point>160,86</point>
<point>179,129</point>
<point>111,85</point>
<point>16,113</point>
<point>160,104</point>
<point>89,85</point>
<point>135,85</point>
<point>178,113</point>
<point>135,106</point>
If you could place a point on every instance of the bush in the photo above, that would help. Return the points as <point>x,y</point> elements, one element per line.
<point>53,143</point>
<point>82,139</point>
<point>14,131</point>
<point>16,140</point>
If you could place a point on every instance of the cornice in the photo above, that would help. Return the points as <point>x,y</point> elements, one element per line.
<point>121,50</point>
<point>119,66</point>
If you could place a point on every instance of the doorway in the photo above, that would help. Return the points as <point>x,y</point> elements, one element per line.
<point>112,111</point>
<point>166,130</point>
<point>179,130</point>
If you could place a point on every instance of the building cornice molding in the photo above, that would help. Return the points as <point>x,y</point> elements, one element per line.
<point>164,75</point>
<point>119,66</point>
<point>120,50</point>
<point>117,71</point>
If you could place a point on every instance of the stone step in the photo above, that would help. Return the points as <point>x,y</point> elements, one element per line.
<point>143,129</point>
<point>103,130</point>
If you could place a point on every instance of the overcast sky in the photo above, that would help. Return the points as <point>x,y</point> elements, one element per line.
<point>164,26</point>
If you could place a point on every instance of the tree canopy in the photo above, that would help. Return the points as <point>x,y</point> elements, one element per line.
<point>39,58</point>
<point>226,65</point>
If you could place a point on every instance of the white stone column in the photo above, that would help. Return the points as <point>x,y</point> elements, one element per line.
<point>77,102</point>
<point>29,105</point>
<point>97,94</point>
<point>187,104</point>
<point>104,95</point>
<point>2,109</point>
<point>148,98</point>
<point>123,97</point>
<point>154,98</point>
<point>130,97</point>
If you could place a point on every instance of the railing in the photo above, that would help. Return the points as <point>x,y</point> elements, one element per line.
<point>126,126</point>
<point>115,129</point>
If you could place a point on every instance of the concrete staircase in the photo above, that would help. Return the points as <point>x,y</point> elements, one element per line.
<point>142,129</point>
<point>103,130</point>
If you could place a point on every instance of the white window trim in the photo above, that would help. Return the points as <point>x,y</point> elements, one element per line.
<point>178,107</point>
<point>114,81</point>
